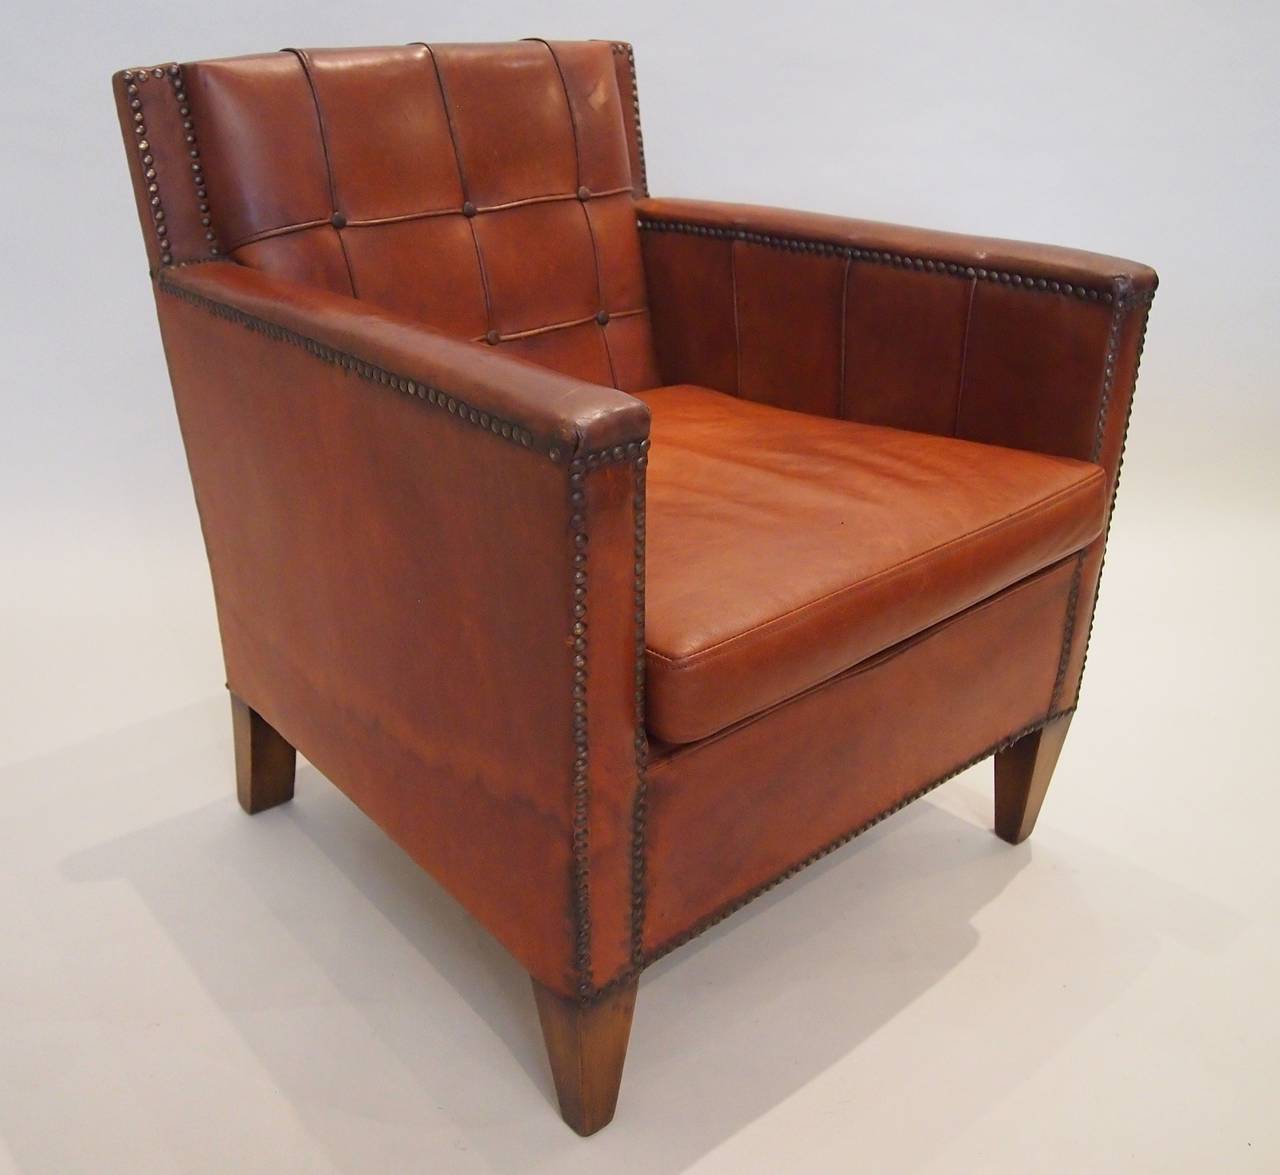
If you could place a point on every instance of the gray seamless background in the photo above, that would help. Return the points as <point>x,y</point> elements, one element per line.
<point>1145,129</point>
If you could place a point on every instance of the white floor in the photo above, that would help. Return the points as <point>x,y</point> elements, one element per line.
<point>183,989</point>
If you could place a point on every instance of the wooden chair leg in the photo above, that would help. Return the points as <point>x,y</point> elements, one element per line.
<point>264,761</point>
<point>1023,771</point>
<point>587,1046</point>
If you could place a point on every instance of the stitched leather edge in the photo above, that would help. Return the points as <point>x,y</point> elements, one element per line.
<point>900,260</point>
<point>1115,492</point>
<point>579,632</point>
<point>133,80</point>
<point>504,429</point>
<point>622,49</point>
<point>647,958</point>
<point>639,812</point>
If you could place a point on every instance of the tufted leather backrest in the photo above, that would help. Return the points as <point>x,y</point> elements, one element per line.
<point>486,190</point>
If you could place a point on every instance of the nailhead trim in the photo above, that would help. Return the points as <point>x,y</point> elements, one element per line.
<point>436,397</point>
<point>647,958</point>
<point>1125,301</point>
<point>639,811</point>
<point>635,452</point>
<point>133,79</point>
<point>881,257</point>
<point>581,751</point>
<point>1143,302</point>
<point>624,50</point>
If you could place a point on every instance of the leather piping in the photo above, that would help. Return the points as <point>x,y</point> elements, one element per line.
<point>301,55</point>
<point>924,264</point>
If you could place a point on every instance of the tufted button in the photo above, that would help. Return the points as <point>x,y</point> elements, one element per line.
<point>338,220</point>
<point>468,209</point>
<point>584,193</point>
<point>602,316</point>
<point>492,338</point>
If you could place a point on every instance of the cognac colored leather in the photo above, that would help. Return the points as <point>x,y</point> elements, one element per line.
<point>885,533</point>
<point>619,556</point>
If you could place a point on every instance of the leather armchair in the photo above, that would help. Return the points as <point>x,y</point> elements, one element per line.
<point>619,556</point>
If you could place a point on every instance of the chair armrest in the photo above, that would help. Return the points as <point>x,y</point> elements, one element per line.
<point>426,563</point>
<point>987,339</point>
<point>1029,346</point>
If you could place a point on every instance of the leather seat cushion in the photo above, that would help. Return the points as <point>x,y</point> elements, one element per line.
<point>784,548</point>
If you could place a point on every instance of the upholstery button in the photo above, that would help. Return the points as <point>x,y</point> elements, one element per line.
<point>492,338</point>
<point>338,220</point>
<point>584,193</point>
<point>468,209</point>
<point>602,317</point>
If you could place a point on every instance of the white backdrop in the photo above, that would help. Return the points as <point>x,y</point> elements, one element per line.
<point>1140,1033</point>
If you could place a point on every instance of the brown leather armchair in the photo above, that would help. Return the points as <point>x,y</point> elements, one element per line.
<point>424,323</point>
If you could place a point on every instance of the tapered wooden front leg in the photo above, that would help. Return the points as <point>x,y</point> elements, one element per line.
<point>1023,771</point>
<point>587,1046</point>
<point>264,761</point>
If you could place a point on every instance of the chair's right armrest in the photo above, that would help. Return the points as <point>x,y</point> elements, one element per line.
<point>427,566</point>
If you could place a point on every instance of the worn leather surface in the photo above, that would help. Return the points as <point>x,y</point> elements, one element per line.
<point>733,812</point>
<point>403,389</point>
<point>395,590</point>
<point>483,189</point>
<point>784,548</point>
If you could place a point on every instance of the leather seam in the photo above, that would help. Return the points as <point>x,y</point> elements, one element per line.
<point>553,326</point>
<point>462,183</point>
<point>301,57</point>
<point>934,265</point>
<point>586,214</point>
<point>787,619</point>
<point>737,323</point>
<point>964,355</point>
<point>725,910</point>
<point>842,402</point>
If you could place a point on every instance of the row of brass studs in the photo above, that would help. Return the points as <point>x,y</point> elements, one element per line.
<point>580,816</point>
<point>1115,489</point>
<point>357,366</point>
<point>881,257</point>
<point>1073,596</point>
<point>635,452</point>
<point>830,847</point>
<point>193,153</point>
<point>134,79</point>
<point>628,52</point>
<point>640,804</point>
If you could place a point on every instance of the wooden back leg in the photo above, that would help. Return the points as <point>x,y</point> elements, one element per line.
<point>1023,771</point>
<point>264,761</point>
<point>587,1045</point>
